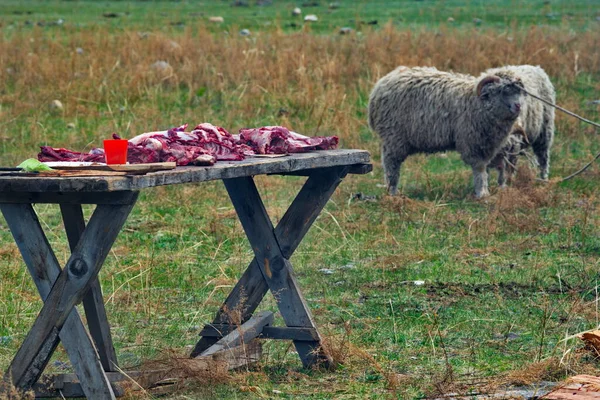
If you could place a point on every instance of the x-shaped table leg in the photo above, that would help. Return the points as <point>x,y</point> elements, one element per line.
<point>93,303</point>
<point>61,291</point>
<point>270,269</point>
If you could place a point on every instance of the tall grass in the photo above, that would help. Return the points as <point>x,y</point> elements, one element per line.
<point>314,84</point>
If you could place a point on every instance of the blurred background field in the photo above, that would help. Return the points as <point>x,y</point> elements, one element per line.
<point>420,295</point>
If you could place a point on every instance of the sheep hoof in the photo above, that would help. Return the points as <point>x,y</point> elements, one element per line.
<point>482,194</point>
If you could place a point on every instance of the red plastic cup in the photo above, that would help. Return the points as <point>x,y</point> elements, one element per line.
<point>115,151</point>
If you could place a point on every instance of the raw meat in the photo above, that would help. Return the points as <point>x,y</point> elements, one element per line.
<point>185,147</point>
<point>280,140</point>
<point>204,145</point>
<point>48,153</point>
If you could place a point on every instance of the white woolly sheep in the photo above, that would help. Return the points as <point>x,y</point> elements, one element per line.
<point>535,125</point>
<point>424,110</point>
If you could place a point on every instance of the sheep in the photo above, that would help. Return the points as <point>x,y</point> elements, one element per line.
<point>424,110</point>
<point>535,125</point>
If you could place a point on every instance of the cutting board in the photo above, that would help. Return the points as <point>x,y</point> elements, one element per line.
<point>124,168</point>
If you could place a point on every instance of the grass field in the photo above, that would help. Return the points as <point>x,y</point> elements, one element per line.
<point>506,281</point>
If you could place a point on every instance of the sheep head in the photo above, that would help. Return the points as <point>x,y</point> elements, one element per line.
<point>501,96</point>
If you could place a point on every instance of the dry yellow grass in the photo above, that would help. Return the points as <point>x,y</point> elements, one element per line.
<point>314,84</point>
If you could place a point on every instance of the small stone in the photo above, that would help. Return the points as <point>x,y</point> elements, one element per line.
<point>71,125</point>
<point>174,46</point>
<point>216,19</point>
<point>326,271</point>
<point>477,21</point>
<point>160,66</point>
<point>79,50</point>
<point>60,21</point>
<point>244,32</point>
<point>418,283</point>
<point>345,30</point>
<point>450,20</point>
<point>296,12</point>
<point>311,18</point>
<point>56,106</point>
<point>348,266</point>
<point>334,5</point>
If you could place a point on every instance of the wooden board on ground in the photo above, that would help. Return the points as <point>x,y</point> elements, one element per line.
<point>243,334</point>
<point>579,387</point>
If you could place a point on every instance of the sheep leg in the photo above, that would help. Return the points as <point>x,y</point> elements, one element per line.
<point>480,180</point>
<point>543,156</point>
<point>501,173</point>
<point>392,160</point>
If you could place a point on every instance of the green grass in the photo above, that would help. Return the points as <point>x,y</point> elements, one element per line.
<point>505,280</point>
<point>403,13</point>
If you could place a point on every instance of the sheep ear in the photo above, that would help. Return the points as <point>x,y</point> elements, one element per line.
<point>486,81</point>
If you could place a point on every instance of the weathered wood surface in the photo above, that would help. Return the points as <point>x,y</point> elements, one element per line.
<point>221,170</point>
<point>355,169</point>
<point>275,267</point>
<point>268,332</point>
<point>93,303</point>
<point>304,210</point>
<point>121,197</point>
<point>67,291</point>
<point>44,269</point>
<point>68,385</point>
<point>579,387</point>
<point>243,334</point>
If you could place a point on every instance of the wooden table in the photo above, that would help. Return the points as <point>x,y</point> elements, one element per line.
<point>91,352</point>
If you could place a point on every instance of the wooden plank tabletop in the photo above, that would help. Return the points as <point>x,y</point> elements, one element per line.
<point>221,170</point>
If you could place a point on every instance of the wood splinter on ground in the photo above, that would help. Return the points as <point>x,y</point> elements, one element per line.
<point>579,387</point>
<point>592,341</point>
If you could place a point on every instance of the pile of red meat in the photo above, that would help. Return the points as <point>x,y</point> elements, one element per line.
<point>204,145</point>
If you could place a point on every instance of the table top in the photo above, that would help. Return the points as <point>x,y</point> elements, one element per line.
<point>221,170</point>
